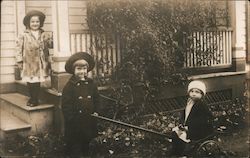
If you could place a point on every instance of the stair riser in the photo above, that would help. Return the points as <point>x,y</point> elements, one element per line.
<point>44,96</point>
<point>22,114</point>
<point>10,135</point>
<point>40,120</point>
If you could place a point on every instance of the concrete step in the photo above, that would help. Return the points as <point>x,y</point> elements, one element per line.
<point>11,125</point>
<point>39,117</point>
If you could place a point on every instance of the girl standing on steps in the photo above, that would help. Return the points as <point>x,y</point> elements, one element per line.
<point>33,54</point>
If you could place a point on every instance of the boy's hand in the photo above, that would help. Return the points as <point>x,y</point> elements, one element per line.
<point>95,113</point>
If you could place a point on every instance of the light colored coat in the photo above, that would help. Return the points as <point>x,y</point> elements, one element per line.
<point>34,53</point>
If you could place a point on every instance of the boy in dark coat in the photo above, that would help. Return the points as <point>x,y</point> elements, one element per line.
<point>80,98</point>
<point>195,120</point>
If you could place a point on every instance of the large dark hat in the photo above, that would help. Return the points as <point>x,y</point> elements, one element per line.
<point>79,56</point>
<point>26,19</point>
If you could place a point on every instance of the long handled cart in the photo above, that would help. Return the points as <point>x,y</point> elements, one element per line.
<point>206,147</point>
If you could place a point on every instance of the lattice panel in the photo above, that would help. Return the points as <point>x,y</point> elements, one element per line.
<point>163,105</point>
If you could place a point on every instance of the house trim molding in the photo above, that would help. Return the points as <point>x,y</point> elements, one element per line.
<point>20,9</point>
<point>220,74</point>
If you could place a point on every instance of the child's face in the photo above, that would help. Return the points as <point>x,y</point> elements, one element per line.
<point>195,94</point>
<point>34,23</point>
<point>81,71</point>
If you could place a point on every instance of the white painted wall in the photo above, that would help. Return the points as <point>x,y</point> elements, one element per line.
<point>77,15</point>
<point>8,34</point>
<point>240,10</point>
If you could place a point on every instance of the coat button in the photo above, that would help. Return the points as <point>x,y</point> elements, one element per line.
<point>78,84</point>
<point>80,111</point>
<point>80,97</point>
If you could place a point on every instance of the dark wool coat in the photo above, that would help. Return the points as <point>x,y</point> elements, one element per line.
<point>198,121</point>
<point>79,100</point>
<point>34,53</point>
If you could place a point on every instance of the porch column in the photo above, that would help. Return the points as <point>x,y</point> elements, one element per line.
<point>20,14</point>
<point>238,20</point>
<point>61,39</point>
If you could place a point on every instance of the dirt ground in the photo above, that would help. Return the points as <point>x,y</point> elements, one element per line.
<point>234,144</point>
<point>237,143</point>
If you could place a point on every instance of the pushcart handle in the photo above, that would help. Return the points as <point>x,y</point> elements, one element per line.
<point>131,126</point>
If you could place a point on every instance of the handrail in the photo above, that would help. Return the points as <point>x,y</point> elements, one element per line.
<point>206,30</point>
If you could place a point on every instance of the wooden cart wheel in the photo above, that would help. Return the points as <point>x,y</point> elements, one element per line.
<point>209,148</point>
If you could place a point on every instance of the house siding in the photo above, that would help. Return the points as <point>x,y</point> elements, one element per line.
<point>248,30</point>
<point>241,25</point>
<point>8,34</point>
<point>78,15</point>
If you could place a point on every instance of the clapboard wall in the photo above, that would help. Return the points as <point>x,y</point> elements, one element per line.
<point>8,34</point>
<point>248,32</point>
<point>77,15</point>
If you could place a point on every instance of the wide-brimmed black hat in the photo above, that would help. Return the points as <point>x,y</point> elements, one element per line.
<point>79,56</point>
<point>26,19</point>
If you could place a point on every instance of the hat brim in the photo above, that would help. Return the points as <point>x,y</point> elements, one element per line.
<point>79,56</point>
<point>26,19</point>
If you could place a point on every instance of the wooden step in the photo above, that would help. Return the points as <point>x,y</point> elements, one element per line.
<point>39,117</point>
<point>20,101</point>
<point>11,125</point>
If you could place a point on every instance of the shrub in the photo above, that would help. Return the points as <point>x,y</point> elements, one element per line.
<point>155,35</point>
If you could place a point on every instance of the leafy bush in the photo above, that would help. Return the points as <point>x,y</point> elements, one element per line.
<point>230,115</point>
<point>115,140</point>
<point>155,35</point>
<point>42,145</point>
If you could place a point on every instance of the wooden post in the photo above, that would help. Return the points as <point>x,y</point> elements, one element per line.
<point>61,34</point>
<point>238,20</point>
<point>61,38</point>
<point>19,14</point>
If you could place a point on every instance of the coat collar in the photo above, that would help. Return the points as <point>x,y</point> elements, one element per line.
<point>194,107</point>
<point>76,80</point>
<point>39,34</point>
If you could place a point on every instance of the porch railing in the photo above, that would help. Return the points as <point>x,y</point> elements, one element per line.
<point>218,43</point>
<point>106,51</point>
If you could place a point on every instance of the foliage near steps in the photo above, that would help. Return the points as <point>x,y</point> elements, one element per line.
<point>114,140</point>
<point>47,144</point>
<point>229,118</point>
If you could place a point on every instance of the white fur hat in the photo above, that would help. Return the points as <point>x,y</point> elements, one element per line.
<point>197,84</point>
